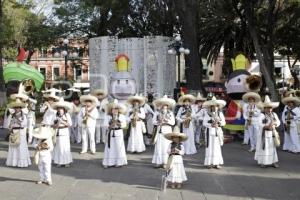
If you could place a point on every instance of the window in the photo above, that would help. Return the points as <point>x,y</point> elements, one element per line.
<point>77,73</point>
<point>42,70</point>
<point>55,73</point>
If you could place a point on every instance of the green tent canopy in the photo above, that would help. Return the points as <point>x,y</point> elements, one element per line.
<point>20,71</point>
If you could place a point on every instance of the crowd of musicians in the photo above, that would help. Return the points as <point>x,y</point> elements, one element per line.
<point>91,119</point>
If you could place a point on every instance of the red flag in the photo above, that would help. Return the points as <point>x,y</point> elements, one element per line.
<point>22,54</point>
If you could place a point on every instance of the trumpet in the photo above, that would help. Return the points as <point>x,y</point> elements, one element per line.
<point>250,115</point>
<point>135,117</point>
<point>188,118</point>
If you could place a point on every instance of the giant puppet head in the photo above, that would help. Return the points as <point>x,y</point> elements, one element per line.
<point>122,83</point>
<point>240,80</point>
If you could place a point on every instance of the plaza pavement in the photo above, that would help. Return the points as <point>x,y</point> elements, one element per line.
<point>240,178</point>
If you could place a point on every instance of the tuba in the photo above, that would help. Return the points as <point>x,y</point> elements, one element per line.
<point>254,82</point>
<point>26,86</point>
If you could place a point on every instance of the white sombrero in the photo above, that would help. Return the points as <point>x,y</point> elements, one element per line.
<point>51,93</point>
<point>16,103</point>
<point>176,133</point>
<point>116,105</point>
<point>253,95</point>
<point>88,97</point>
<point>62,104</point>
<point>136,97</point>
<point>214,102</point>
<point>268,103</point>
<point>185,97</point>
<point>43,132</point>
<point>200,97</point>
<point>291,98</point>
<point>164,101</point>
<point>98,92</point>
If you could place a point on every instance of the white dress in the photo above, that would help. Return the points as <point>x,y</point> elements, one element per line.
<point>114,151</point>
<point>62,150</point>
<point>136,138</point>
<point>189,144</point>
<point>266,153</point>
<point>198,123</point>
<point>160,156</point>
<point>18,155</point>
<point>148,123</point>
<point>177,172</point>
<point>291,137</point>
<point>214,138</point>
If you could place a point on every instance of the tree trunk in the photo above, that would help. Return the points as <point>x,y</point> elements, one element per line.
<point>263,52</point>
<point>188,16</point>
<point>2,86</point>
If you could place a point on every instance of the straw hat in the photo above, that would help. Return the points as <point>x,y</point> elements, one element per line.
<point>200,97</point>
<point>176,133</point>
<point>16,103</point>
<point>136,97</point>
<point>62,104</point>
<point>268,103</point>
<point>116,105</point>
<point>185,97</point>
<point>214,102</point>
<point>291,98</point>
<point>164,101</point>
<point>253,95</point>
<point>43,132</point>
<point>88,97</point>
<point>98,92</point>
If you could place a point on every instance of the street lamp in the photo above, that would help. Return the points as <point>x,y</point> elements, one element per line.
<point>65,54</point>
<point>176,48</point>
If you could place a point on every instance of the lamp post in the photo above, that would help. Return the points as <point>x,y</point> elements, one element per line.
<point>176,48</point>
<point>65,54</point>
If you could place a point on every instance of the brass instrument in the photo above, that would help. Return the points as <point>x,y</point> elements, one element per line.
<point>114,123</point>
<point>26,86</point>
<point>134,117</point>
<point>254,82</point>
<point>288,121</point>
<point>250,115</point>
<point>86,115</point>
<point>188,118</point>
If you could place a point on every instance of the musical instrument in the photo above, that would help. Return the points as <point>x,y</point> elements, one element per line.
<point>250,115</point>
<point>254,82</point>
<point>188,117</point>
<point>86,115</point>
<point>27,86</point>
<point>288,120</point>
<point>135,117</point>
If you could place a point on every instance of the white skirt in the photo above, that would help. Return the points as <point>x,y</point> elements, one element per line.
<point>136,138</point>
<point>268,155</point>
<point>18,156</point>
<point>160,156</point>
<point>177,172</point>
<point>115,155</point>
<point>62,151</point>
<point>189,144</point>
<point>213,153</point>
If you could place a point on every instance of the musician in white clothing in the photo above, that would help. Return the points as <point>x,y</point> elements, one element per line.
<point>101,104</point>
<point>198,120</point>
<point>290,118</point>
<point>213,121</point>
<point>266,153</point>
<point>163,121</point>
<point>251,114</point>
<point>88,117</point>
<point>185,118</point>
<point>18,154</point>
<point>137,127</point>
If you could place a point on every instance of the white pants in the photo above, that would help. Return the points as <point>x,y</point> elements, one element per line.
<point>246,137</point>
<point>252,132</point>
<point>31,122</point>
<point>100,132</point>
<point>88,133</point>
<point>45,166</point>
